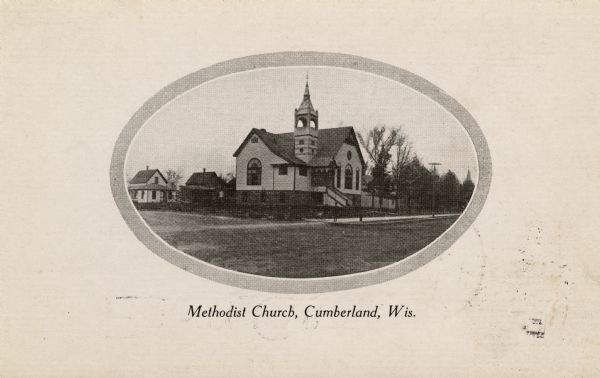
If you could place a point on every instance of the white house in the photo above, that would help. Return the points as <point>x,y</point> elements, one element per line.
<point>307,166</point>
<point>150,185</point>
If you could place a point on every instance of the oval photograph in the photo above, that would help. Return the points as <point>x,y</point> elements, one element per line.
<point>300,172</point>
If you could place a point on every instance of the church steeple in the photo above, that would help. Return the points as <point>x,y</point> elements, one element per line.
<point>306,127</point>
<point>306,112</point>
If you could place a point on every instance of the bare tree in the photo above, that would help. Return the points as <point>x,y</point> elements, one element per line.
<point>173,177</point>
<point>403,151</point>
<point>378,144</point>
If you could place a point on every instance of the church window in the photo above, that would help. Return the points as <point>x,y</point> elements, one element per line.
<point>348,177</point>
<point>312,142</point>
<point>357,179</point>
<point>302,171</point>
<point>301,150</point>
<point>349,155</point>
<point>283,170</point>
<point>301,141</point>
<point>254,139</point>
<point>313,124</point>
<point>254,172</point>
<point>338,177</point>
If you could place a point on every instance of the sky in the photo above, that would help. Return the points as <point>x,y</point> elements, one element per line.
<point>203,127</point>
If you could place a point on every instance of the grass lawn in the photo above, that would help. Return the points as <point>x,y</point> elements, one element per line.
<point>293,249</point>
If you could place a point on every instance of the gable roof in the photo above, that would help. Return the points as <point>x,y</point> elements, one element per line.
<point>143,176</point>
<point>330,142</point>
<point>207,179</point>
<point>281,145</point>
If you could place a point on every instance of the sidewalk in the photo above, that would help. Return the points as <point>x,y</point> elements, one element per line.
<point>379,220</point>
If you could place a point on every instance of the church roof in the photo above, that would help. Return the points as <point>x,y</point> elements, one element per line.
<point>142,177</point>
<point>330,142</point>
<point>306,106</point>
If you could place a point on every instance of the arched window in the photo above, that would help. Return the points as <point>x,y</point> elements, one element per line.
<point>313,124</point>
<point>357,179</point>
<point>254,172</point>
<point>348,177</point>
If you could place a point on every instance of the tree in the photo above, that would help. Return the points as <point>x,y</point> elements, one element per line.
<point>378,144</point>
<point>418,184</point>
<point>403,151</point>
<point>466,190</point>
<point>173,177</point>
<point>449,192</point>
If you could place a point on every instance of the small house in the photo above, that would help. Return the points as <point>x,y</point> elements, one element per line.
<point>202,187</point>
<point>151,186</point>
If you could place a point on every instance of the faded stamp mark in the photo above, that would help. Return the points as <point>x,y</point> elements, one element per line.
<point>535,328</point>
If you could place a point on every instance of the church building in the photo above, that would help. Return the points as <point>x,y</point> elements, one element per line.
<point>309,166</point>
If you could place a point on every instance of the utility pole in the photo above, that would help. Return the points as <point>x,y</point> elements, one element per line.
<point>433,176</point>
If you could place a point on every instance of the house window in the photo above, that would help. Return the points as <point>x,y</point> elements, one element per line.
<point>156,180</point>
<point>263,196</point>
<point>282,197</point>
<point>338,177</point>
<point>244,196</point>
<point>170,195</point>
<point>283,170</point>
<point>254,139</point>
<point>254,172</point>
<point>142,194</point>
<point>348,177</point>
<point>302,171</point>
<point>154,194</point>
<point>357,179</point>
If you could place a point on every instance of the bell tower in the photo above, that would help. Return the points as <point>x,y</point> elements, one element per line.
<point>306,128</point>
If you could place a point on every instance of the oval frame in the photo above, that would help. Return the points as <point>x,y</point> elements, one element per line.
<point>298,285</point>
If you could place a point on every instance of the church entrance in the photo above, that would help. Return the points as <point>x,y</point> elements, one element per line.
<point>322,177</point>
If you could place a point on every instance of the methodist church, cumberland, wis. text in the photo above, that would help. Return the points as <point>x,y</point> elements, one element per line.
<point>309,311</point>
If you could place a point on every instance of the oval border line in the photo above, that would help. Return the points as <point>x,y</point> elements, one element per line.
<point>298,285</point>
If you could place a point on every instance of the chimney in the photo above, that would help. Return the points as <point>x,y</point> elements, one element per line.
<point>203,170</point>
<point>147,167</point>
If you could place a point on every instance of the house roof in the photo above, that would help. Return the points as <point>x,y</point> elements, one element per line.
<point>143,176</point>
<point>330,142</point>
<point>152,187</point>
<point>199,187</point>
<point>205,179</point>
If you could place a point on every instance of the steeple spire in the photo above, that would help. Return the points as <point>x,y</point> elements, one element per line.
<point>306,127</point>
<point>306,90</point>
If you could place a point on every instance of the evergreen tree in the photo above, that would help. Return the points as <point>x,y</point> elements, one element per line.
<point>466,191</point>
